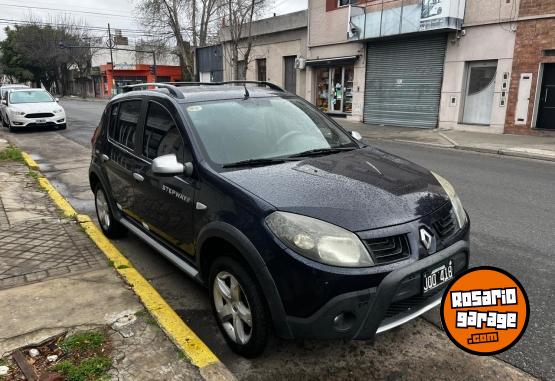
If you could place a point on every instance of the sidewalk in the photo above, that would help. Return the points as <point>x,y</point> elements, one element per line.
<point>54,280</point>
<point>532,147</point>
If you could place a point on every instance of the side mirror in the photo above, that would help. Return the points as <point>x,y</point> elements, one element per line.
<point>356,135</point>
<point>57,99</point>
<point>168,165</point>
<point>4,102</point>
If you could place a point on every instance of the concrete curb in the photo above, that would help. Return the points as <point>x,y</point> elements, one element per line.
<point>210,367</point>
<point>493,151</point>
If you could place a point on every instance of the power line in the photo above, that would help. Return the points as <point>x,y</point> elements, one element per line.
<point>66,10</point>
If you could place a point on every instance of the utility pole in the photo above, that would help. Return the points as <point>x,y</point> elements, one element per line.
<point>111,45</point>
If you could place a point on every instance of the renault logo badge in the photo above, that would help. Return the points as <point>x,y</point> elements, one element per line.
<point>426,238</point>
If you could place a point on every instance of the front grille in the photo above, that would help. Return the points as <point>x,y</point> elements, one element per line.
<point>446,226</point>
<point>388,249</point>
<point>39,115</point>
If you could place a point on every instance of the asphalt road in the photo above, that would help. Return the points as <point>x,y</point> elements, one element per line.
<point>511,203</point>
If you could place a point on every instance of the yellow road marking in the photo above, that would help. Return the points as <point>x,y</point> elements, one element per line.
<point>182,336</point>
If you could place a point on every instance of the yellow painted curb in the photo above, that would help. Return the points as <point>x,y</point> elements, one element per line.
<point>58,199</point>
<point>199,354</point>
<point>30,162</point>
<point>182,336</point>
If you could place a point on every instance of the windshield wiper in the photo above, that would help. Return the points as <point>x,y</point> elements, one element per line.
<point>255,162</point>
<point>322,151</point>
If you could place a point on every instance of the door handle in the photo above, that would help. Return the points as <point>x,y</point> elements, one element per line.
<point>104,158</point>
<point>138,177</point>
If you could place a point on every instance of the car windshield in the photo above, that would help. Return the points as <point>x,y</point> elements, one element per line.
<point>17,97</point>
<point>234,131</point>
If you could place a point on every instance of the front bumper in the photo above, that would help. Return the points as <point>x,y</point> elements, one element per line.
<point>17,121</point>
<point>397,300</point>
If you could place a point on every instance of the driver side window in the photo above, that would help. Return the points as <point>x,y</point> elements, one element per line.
<point>162,136</point>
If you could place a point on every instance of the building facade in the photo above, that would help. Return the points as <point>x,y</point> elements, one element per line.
<point>278,44</point>
<point>531,103</point>
<point>476,65</point>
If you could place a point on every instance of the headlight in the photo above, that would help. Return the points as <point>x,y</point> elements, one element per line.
<point>15,112</point>
<point>58,110</point>
<point>455,200</point>
<point>319,240</point>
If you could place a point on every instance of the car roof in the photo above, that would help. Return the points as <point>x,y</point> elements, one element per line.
<point>191,93</point>
<point>14,86</point>
<point>26,90</point>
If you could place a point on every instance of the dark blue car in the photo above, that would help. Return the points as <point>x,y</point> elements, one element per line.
<point>294,225</point>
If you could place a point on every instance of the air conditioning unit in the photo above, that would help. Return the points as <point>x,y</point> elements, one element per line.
<point>300,63</point>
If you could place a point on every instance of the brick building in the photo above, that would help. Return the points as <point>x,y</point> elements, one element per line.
<point>531,105</point>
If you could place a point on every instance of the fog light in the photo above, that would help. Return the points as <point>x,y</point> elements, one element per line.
<point>60,120</point>
<point>18,123</point>
<point>344,321</point>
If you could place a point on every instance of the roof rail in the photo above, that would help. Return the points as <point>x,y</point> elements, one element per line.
<point>171,88</point>
<point>260,83</point>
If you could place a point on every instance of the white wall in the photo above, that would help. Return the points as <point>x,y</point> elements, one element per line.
<point>480,43</point>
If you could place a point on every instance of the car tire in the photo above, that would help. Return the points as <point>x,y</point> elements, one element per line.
<point>62,126</point>
<point>109,225</point>
<point>231,310</point>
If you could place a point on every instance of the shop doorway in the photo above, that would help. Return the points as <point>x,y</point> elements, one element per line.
<point>480,88</point>
<point>334,89</point>
<point>546,108</point>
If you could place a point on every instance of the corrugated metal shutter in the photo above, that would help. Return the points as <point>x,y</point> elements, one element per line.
<point>403,81</point>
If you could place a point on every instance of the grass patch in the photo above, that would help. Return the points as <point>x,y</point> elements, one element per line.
<point>83,341</point>
<point>146,317</point>
<point>3,362</point>
<point>33,175</point>
<point>11,153</point>
<point>88,370</point>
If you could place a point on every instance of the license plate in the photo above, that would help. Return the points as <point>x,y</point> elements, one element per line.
<point>41,121</point>
<point>436,277</point>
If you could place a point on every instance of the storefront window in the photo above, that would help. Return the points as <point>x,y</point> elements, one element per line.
<point>334,89</point>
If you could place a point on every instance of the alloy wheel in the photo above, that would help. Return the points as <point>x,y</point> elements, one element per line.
<point>232,307</point>
<point>102,209</point>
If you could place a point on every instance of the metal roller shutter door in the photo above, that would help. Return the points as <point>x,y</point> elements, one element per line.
<point>403,81</point>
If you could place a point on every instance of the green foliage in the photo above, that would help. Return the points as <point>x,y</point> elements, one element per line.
<point>11,153</point>
<point>83,341</point>
<point>90,369</point>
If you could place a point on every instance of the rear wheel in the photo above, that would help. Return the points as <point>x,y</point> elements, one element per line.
<point>108,224</point>
<point>238,306</point>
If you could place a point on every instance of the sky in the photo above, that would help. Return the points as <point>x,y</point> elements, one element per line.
<point>98,13</point>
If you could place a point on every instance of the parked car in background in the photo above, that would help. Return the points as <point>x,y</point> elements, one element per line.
<point>4,93</point>
<point>30,108</point>
<point>295,225</point>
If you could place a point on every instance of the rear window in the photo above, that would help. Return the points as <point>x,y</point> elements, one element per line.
<point>124,119</point>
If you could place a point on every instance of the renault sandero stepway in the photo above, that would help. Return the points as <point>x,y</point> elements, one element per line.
<point>296,227</point>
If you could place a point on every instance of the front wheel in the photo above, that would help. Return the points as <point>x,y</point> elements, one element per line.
<point>108,224</point>
<point>238,306</point>
<point>62,126</point>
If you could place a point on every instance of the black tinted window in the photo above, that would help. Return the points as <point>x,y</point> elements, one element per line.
<point>162,136</point>
<point>123,122</point>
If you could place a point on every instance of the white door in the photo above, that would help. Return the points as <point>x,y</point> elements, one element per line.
<point>480,87</point>
<point>523,99</point>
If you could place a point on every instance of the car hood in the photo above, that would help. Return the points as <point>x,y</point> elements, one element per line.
<point>34,108</point>
<point>357,190</point>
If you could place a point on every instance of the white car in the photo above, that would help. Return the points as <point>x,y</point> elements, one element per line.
<point>26,108</point>
<point>4,94</point>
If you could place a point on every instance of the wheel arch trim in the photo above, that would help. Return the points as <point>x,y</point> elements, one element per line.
<point>250,254</point>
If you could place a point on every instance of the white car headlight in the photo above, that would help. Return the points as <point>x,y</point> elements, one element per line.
<point>455,200</point>
<point>18,113</point>
<point>58,110</point>
<point>319,240</point>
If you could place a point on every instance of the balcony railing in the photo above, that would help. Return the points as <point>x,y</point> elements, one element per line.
<point>381,18</point>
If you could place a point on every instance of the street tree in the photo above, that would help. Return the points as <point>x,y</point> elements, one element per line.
<point>238,17</point>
